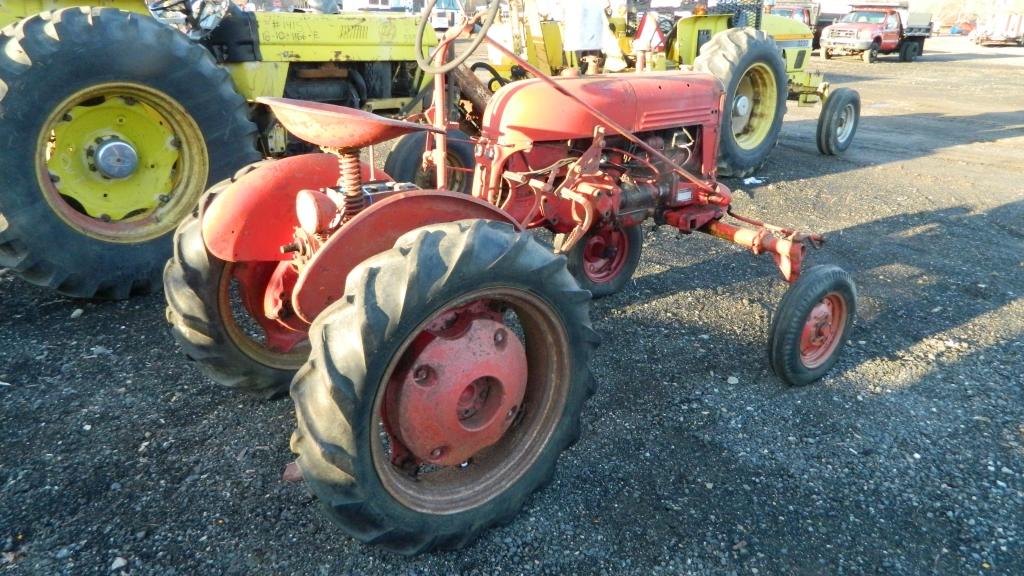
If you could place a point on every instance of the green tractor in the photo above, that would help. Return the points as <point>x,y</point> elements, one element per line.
<point>115,119</point>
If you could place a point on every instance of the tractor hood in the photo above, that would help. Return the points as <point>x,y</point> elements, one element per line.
<point>533,111</point>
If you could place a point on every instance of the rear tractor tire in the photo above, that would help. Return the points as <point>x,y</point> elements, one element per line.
<point>213,321</point>
<point>606,258</point>
<point>443,387</point>
<point>750,66</point>
<point>405,162</point>
<point>837,123</point>
<point>811,325</point>
<point>113,124</point>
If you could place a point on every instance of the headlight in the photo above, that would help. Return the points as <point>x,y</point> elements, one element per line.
<point>866,34</point>
<point>194,18</point>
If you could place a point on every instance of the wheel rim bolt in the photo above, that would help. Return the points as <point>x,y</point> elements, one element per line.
<point>423,375</point>
<point>500,337</point>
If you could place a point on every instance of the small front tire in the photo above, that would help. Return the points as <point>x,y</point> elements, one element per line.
<point>606,258</point>
<point>838,121</point>
<point>405,162</point>
<point>811,325</point>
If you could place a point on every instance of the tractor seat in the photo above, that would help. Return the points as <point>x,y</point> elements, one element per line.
<point>337,126</point>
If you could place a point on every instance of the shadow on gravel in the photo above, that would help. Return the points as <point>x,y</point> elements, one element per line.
<point>920,135</point>
<point>927,271</point>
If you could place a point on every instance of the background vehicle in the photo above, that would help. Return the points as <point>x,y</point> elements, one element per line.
<point>446,13</point>
<point>878,28</point>
<point>1000,28</point>
<point>115,119</point>
<point>807,12</point>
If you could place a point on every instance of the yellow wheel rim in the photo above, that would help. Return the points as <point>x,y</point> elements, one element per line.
<point>753,106</point>
<point>121,162</point>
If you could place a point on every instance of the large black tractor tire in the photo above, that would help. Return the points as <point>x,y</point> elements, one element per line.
<point>405,162</point>
<point>80,80</point>
<point>826,297</point>
<point>356,342</point>
<point>837,123</point>
<point>603,261</point>
<point>750,66</point>
<point>204,322</point>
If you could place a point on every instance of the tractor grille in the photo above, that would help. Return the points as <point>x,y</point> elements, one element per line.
<point>744,12</point>
<point>840,33</point>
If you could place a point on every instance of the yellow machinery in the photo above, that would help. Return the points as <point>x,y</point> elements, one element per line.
<point>115,118</point>
<point>760,58</point>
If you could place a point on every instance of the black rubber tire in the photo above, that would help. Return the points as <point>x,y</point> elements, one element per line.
<point>914,51</point>
<point>789,318</point>
<point>46,58</point>
<point>825,53</point>
<point>405,161</point>
<point>827,136</point>
<point>354,340</point>
<point>728,55</point>
<point>870,56</point>
<point>192,279</point>
<point>635,244</point>
<point>904,56</point>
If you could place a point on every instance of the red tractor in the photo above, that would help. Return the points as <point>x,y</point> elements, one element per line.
<point>440,352</point>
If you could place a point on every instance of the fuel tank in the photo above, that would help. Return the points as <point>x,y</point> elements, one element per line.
<point>532,111</point>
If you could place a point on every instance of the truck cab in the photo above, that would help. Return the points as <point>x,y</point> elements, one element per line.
<point>872,29</point>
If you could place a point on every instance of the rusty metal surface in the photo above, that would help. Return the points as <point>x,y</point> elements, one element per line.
<point>375,230</point>
<point>336,126</point>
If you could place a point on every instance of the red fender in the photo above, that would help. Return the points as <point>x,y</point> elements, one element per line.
<point>375,230</point>
<point>255,216</point>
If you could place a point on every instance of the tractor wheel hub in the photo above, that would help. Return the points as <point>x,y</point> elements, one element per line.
<point>460,394</point>
<point>116,159</point>
<point>742,106</point>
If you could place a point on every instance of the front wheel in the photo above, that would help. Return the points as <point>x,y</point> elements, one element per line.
<point>838,121</point>
<point>811,325</point>
<point>606,258</point>
<point>871,54</point>
<point>826,54</point>
<point>442,388</point>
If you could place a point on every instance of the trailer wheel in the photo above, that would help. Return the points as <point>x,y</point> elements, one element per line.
<point>606,258</point>
<point>914,50</point>
<point>443,387</point>
<point>405,162</point>
<point>870,55</point>
<point>811,324</point>
<point>214,308</point>
<point>838,121</point>
<point>750,66</point>
<point>121,122</point>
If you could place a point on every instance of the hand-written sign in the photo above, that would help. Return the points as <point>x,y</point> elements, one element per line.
<point>300,31</point>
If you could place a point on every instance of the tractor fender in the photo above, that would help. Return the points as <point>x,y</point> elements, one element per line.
<point>255,215</point>
<point>375,230</point>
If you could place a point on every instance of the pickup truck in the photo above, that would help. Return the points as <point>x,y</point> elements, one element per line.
<point>873,29</point>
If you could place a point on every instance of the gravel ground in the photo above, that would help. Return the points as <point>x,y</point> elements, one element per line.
<point>118,456</point>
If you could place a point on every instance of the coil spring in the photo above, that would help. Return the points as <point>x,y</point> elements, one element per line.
<point>351,182</point>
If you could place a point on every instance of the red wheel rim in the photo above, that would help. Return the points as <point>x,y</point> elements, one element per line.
<point>823,330</point>
<point>604,254</point>
<point>470,401</point>
<point>270,341</point>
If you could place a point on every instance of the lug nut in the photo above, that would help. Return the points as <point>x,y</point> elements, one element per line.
<point>512,412</point>
<point>436,453</point>
<point>422,375</point>
<point>500,337</point>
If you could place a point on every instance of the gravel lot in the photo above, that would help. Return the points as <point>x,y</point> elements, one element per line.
<point>118,456</point>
